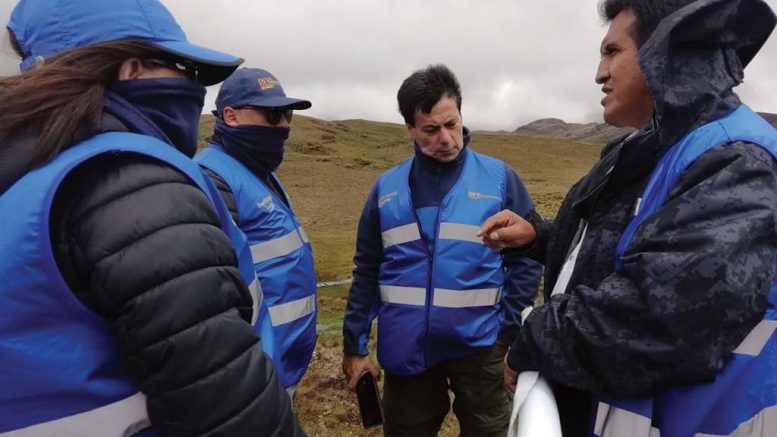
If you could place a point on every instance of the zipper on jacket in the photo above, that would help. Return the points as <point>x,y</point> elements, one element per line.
<point>288,208</point>
<point>430,257</point>
<point>277,196</point>
<point>429,282</point>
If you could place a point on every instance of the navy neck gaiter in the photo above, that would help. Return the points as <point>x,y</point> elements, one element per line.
<point>259,148</point>
<point>166,108</point>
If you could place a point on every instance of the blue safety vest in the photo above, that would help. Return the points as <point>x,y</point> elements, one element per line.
<point>60,368</point>
<point>283,262</point>
<point>441,305</point>
<point>742,401</point>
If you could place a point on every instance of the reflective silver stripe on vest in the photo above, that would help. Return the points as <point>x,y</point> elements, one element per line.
<point>616,422</point>
<point>122,418</point>
<point>275,248</point>
<point>291,311</point>
<point>256,297</point>
<point>304,236</point>
<point>456,231</point>
<point>400,234</point>
<point>403,295</point>
<point>755,341</point>
<point>762,424</point>
<point>466,298</point>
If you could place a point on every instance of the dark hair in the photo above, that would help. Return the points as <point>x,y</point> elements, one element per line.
<point>648,14</point>
<point>424,88</point>
<point>61,100</point>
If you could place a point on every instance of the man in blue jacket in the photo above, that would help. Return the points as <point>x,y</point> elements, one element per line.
<point>252,125</point>
<point>661,311</point>
<point>446,303</point>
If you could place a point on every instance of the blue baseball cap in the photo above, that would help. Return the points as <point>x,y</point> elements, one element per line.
<point>255,87</point>
<point>44,28</point>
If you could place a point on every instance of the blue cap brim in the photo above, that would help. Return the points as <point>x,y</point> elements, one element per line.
<point>214,66</point>
<point>279,101</point>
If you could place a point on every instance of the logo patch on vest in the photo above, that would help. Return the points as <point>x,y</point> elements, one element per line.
<point>386,198</point>
<point>474,195</point>
<point>267,203</point>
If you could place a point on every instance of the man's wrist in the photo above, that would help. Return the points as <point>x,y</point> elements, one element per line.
<point>355,350</point>
<point>518,357</point>
<point>508,334</point>
<point>514,357</point>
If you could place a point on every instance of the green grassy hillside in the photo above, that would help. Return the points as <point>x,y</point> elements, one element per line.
<point>328,170</point>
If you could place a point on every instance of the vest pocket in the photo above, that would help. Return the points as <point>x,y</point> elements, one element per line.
<point>455,332</point>
<point>401,338</point>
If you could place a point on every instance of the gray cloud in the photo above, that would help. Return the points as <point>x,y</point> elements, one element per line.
<point>517,60</point>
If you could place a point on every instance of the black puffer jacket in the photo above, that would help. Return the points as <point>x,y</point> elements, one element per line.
<point>697,274</point>
<point>140,244</point>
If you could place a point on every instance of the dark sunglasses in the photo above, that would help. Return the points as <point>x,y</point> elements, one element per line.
<point>275,114</point>
<point>184,66</point>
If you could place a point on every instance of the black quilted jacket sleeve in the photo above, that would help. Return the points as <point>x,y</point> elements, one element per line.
<point>139,244</point>
<point>225,191</point>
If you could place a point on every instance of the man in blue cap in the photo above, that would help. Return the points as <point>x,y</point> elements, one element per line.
<point>253,116</point>
<point>127,290</point>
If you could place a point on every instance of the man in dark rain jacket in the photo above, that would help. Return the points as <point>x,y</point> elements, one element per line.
<point>660,306</point>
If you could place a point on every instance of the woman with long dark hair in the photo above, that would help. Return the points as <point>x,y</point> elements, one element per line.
<point>125,309</point>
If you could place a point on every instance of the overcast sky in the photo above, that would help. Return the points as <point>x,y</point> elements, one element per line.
<point>517,60</point>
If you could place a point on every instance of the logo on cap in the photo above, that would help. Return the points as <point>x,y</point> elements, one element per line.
<point>266,83</point>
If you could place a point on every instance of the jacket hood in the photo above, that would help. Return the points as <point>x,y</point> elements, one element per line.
<point>694,59</point>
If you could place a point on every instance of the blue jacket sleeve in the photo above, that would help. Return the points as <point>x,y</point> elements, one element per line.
<point>364,296</point>
<point>522,273</point>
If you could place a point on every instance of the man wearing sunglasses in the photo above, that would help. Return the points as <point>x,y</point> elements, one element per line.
<point>253,117</point>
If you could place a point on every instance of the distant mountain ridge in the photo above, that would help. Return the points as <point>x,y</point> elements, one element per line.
<point>594,133</point>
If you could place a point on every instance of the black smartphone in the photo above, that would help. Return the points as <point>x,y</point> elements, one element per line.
<point>368,396</point>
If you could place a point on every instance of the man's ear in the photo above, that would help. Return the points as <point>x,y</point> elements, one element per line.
<point>131,68</point>
<point>229,115</point>
<point>410,132</point>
